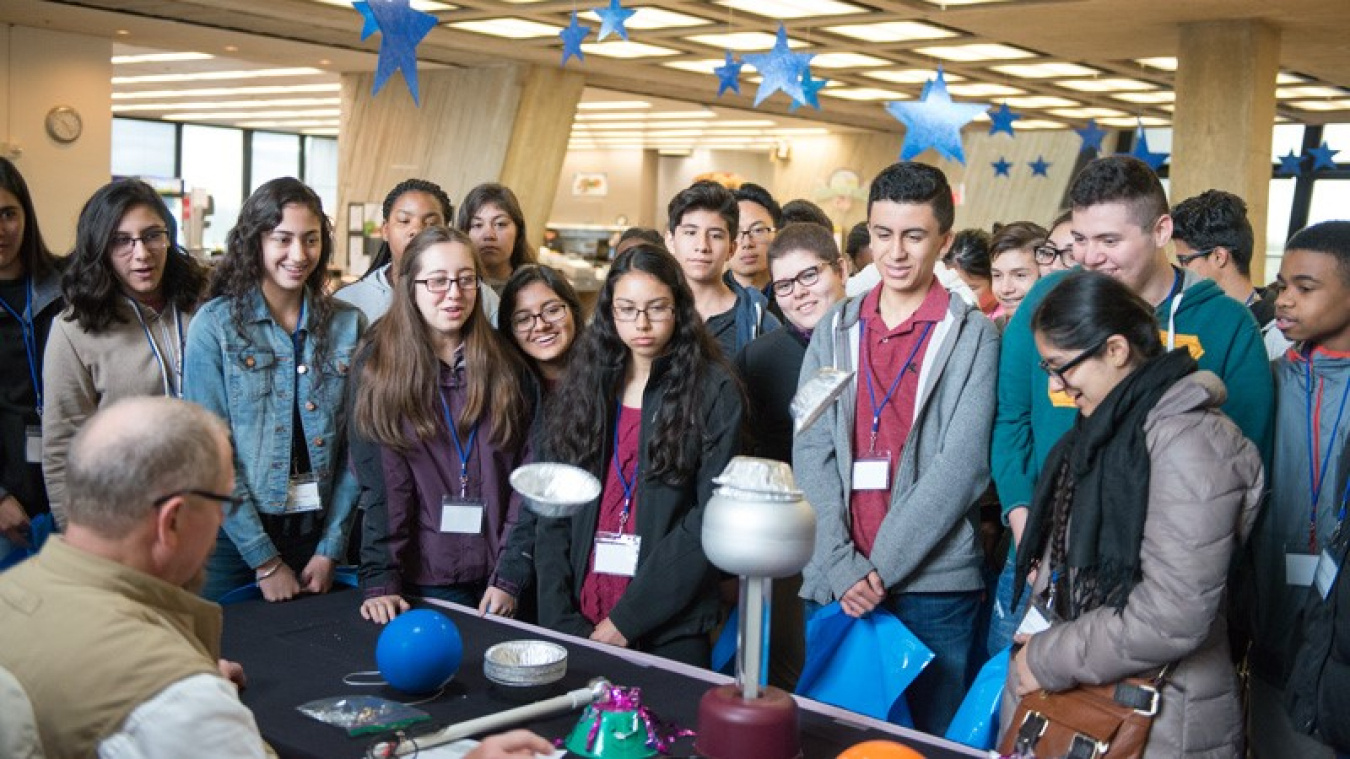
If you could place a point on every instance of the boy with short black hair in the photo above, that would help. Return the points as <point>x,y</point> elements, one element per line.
<point>702,221</point>
<point>894,467</point>
<point>1213,238</point>
<point>1309,476</point>
<point>1121,228</point>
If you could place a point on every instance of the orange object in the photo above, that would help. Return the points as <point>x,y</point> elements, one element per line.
<point>880,750</point>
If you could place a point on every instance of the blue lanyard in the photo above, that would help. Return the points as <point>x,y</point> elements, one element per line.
<point>628,485</point>
<point>463,452</point>
<point>159,357</point>
<point>1317,479</point>
<point>871,393</point>
<point>29,338</point>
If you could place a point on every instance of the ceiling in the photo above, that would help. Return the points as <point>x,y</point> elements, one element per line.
<point>1055,62</point>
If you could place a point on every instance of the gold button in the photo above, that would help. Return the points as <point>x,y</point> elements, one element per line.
<point>310,406</point>
<point>318,442</point>
<point>249,362</point>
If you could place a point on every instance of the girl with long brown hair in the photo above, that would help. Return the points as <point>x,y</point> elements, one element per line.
<point>444,401</point>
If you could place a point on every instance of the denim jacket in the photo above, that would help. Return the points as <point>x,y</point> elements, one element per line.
<point>250,382</point>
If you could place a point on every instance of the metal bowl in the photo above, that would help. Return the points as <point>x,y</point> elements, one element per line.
<point>525,663</point>
<point>555,490</point>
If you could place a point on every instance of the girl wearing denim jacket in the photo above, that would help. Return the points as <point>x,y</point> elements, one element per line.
<point>270,354</point>
<point>446,402</point>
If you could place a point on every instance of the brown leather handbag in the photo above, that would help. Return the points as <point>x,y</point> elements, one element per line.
<point>1086,722</point>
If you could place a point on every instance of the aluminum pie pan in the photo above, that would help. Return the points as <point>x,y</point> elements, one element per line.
<point>554,490</point>
<point>525,663</point>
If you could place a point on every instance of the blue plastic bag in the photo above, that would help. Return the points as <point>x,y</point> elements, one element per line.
<point>724,650</point>
<point>976,722</point>
<point>39,529</point>
<point>863,665</point>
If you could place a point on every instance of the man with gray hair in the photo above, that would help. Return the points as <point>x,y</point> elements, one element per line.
<point>103,629</point>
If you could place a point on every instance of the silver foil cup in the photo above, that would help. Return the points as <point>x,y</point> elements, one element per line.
<point>555,490</point>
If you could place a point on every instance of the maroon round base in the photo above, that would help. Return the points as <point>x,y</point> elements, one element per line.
<point>732,727</point>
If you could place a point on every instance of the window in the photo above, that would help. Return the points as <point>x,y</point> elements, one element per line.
<point>321,169</point>
<point>274,155</point>
<point>143,148</point>
<point>213,159</point>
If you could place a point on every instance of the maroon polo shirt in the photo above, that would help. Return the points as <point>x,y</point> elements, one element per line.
<point>882,353</point>
<point>601,592</point>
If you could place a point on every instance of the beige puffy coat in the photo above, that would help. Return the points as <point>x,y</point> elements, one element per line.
<point>1205,484</point>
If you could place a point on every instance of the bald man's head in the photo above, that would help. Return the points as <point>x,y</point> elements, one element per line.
<point>135,451</point>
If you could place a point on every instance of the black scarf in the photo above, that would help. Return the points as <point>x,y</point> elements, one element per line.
<point>1099,472</point>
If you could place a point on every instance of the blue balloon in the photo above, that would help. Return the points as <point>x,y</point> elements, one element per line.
<point>420,651</point>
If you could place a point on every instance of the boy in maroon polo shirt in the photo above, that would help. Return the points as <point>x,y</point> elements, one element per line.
<point>894,468</point>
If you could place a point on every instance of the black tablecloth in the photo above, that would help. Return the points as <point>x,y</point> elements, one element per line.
<point>300,651</point>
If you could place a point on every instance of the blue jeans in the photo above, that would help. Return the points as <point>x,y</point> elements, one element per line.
<point>945,622</point>
<point>226,570</point>
<point>1003,618</point>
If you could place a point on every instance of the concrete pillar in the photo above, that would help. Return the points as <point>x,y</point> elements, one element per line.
<point>1225,110</point>
<point>504,123</point>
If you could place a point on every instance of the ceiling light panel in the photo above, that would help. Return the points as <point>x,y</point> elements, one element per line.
<point>1147,98</point>
<point>983,89</point>
<point>124,60</point>
<point>612,105</point>
<point>1322,105</point>
<point>847,61</point>
<point>653,18</point>
<point>789,9</point>
<point>893,31</point>
<point>1086,113</point>
<point>911,76</point>
<point>742,40</point>
<point>1284,77</point>
<point>626,49</point>
<point>1028,124</point>
<point>224,104</point>
<point>1287,93</point>
<point>1161,63</point>
<point>235,115</point>
<point>1109,84</point>
<point>702,66</point>
<point>201,76</point>
<point>975,52</point>
<point>213,92</point>
<point>1040,101</point>
<point>428,6</point>
<point>1047,70</point>
<point>946,3</point>
<point>509,27</point>
<point>866,93</point>
<point>1130,122</point>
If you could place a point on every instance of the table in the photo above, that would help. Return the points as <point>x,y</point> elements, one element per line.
<point>299,651</point>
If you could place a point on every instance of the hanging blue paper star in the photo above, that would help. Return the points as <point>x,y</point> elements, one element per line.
<point>572,37</point>
<point>729,75</point>
<point>612,20</point>
<point>1141,151</point>
<point>1290,164</point>
<point>1039,167</point>
<point>1002,119</point>
<point>401,29</point>
<point>781,69</point>
<point>935,121</point>
<point>810,89</point>
<point>1001,167</point>
<point>1092,136</point>
<point>1322,156</point>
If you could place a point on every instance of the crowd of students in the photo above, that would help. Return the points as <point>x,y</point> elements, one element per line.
<point>1056,439</point>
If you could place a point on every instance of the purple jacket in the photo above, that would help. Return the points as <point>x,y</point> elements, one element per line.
<point>411,548</point>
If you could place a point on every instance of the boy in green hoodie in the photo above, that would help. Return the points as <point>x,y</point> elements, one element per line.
<point>1121,228</point>
<point>1294,547</point>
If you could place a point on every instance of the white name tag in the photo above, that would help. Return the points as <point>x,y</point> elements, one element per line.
<point>33,444</point>
<point>461,517</point>
<point>872,472</point>
<point>1325,576</point>
<point>616,554</point>
<point>302,494</point>
<point>1034,622</point>
<point>1299,569</point>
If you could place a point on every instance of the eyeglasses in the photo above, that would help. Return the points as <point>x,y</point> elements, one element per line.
<point>656,312</point>
<point>806,278</point>
<point>229,502</point>
<point>1186,260</point>
<point>1059,372</point>
<point>154,240</point>
<point>552,313</point>
<point>1046,253</point>
<point>759,233</point>
<point>442,284</point>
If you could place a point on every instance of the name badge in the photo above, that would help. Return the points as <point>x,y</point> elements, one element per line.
<point>302,494</point>
<point>872,472</point>
<point>1300,569</point>
<point>1325,576</point>
<point>1034,622</point>
<point>33,444</point>
<point>616,554</point>
<point>461,517</point>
